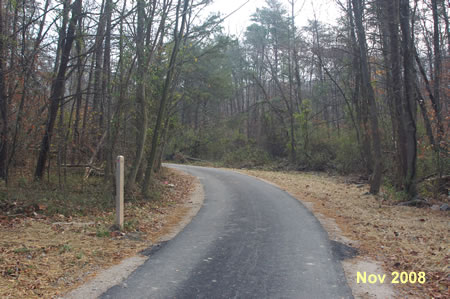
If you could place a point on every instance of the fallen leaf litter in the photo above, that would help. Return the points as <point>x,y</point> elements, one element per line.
<point>401,238</point>
<point>46,257</point>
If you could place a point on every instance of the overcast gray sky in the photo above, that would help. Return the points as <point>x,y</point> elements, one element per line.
<point>326,11</point>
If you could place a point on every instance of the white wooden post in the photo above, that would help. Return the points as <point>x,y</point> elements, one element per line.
<point>119,191</point>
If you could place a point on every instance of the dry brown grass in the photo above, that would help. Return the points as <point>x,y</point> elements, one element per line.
<point>401,238</point>
<point>46,257</point>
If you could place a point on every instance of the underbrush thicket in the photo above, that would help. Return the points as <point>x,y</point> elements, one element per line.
<point>317,148</point>
<point>68,195</point>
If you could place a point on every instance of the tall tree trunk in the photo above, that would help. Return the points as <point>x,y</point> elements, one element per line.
<point>178,35</point>
<point>437,60</point>
<point>430,95</point>
<point>437,79</point>
<point>3,102</point>
<point>163,144</point>
<point>57,89</point>
<point>141,105</point>
<point>106,86</point>
<point>445,5</point>
<point>368,93</point>
<point>123,83</point>
<point>391,8</point>
<point>27,74</point>
<point>78,95</point>
<point>426,119</point>
<point>294,91</point>
<point>409,103</point>
<point>84,136</point>
<point>361,114</point>
<point>97,104</point>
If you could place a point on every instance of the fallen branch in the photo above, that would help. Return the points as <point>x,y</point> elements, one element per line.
<point>426,177</point>
<point>443,178</point>
<point>90,168</point>
<point>195,159</point>
<point>74,223</point>
<point>415,202</point>
<point>77,165</point>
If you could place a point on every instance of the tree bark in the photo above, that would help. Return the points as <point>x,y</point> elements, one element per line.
<point>178,35</point>
<point>437,63</point>
<point>57,90</point>
<point>3,102</point>
<point>141,105</point>
<point>391,8</point>
<point>409,106</point>
<point>106,86</point>
<point>78,95</point>
<point>437,81</point>
<point>98,68</point>
<point>361,114</point>
<point>368,93</point>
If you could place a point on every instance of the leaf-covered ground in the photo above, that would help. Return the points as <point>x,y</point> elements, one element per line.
<point>45,257</point>
<point>401,238</point>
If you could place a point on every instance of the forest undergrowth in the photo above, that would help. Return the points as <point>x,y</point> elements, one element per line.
<point>52,244</point>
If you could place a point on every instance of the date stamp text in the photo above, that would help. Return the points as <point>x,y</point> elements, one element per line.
<point>396,277</point>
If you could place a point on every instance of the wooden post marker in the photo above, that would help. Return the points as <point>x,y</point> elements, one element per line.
<point>119,190</point>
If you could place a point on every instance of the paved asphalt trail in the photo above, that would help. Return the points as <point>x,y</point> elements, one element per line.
<point>249,240</point>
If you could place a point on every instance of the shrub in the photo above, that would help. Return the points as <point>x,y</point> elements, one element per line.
<point>348,158</point>
<point>246,157</point>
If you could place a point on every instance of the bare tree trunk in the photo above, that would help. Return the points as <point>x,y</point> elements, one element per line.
<point>11,31</point>
<point>162,145</point>
<point>122,85</point>
<point>426,119</point>
<point>57,90</point>
<point>27,73</point>
<point>367,92</point>
<point>361,114</point>
<point>178,35</point>
<point>395,85</point>
<point>3,102</point>
<point>447,26</point>
<point>84,135</point>
<point>140,95</point>
<point>409,115</point>
<point>98,67</point>
<point>294,94</point>
<point>437,61</point>
<point>106,86</point>
<point>437,80</point>
<point>78,95</point>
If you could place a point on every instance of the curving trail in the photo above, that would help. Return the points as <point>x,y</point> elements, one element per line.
<point>249,240</point>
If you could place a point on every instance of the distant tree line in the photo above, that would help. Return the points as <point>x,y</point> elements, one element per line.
<point>368,96</point>
<point>84,80</point>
